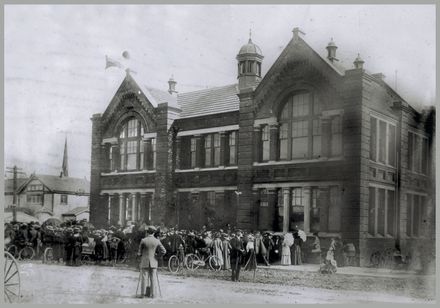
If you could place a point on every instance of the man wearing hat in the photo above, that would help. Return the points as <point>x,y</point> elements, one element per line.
<point>148,264</point>
<point>237,250</point>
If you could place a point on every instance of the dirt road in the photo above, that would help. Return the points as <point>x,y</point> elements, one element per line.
<point>50,284</point>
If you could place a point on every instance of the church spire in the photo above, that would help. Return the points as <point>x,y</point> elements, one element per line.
<point>65,171</point>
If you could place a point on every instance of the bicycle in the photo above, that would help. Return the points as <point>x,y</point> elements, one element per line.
<point>195,260</point>
<point>177,261</point>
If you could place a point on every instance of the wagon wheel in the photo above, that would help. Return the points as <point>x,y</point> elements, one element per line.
<point>27,253</point>
<point>214,263</point>
<point>48,255</point>
<point>12,279</point>
<point>192,261</point>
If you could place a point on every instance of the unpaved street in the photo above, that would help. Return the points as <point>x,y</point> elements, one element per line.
<point>44,284</point>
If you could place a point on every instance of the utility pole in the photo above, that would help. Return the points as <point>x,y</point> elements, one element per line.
<point>15,170</point>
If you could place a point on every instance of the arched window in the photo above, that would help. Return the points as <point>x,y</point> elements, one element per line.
<point>131,145</point>
<point>300,128</point>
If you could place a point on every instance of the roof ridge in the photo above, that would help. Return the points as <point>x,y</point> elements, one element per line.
<point>208,89</point>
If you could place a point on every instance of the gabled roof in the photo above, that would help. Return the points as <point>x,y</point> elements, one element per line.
<point>61,184</point>
<point>76,211</point>
<point>9,184</point>
<point>209,101</point>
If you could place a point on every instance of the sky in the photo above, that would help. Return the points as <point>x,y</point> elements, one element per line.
<point>55,76</point>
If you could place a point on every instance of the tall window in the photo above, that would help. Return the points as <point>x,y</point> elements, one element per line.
<point>153,149</point>
<point>233,148</point>
<point>265,141</point>
<point>300,128</point>
<point>382,142</point>
<point>212,150</point>
<point>382,212</point>
<point>264,201</point>
<point>336,135</point>
<point>130,143</point>
<point>193,152</point>
<point>417,153</point>
<point>416,215</point>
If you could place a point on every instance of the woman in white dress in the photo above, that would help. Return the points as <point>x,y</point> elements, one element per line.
<point>285,251</point>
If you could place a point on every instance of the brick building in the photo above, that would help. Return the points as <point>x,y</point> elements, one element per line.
<point>310,144</point>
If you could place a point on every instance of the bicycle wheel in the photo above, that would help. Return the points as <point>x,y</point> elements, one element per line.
<point>214,263</point>
<point>27,253</point>
<point>173,264</point>
<point>13,250</point>
<point>48,255</point>
<point>192,262</point>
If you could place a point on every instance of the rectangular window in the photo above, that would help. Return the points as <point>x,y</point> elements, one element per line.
<point>131,154</point>
<point>336,136</point>
<point>301,105</point>
<point>258,69</point>
<point>391,213</point>
<point>129,208</point>
<point>141,155</point>
<point>392,145</point>
<point>373,138</point>
<point>132,128</point>
<point>316,138</point>
<point>208,147</point>
<point>382,141</point>
<point>409,214</point>
<point>233,148</point>
<point>300,140</point>
<point>210,198</point>
<point>263,198</point>
<point>334,215</point>
<point>123,155</point>
<point>63,199</point>
<point>265,141</point>
<point>34,199</point>
<point>381,212</point>
<point>110,159</point>
<point>284,140</point>
<point>372,211</point>
<point>249,66</point>
<point>153,148</point>
<point>193,152</point>
<point>216,149</point>
<point>314,210</point>
<point>417,153</point>
<point>416,216</point>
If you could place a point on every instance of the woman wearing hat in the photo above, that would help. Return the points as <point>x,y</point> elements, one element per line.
<point>226,251</point>
<point>217,246</point>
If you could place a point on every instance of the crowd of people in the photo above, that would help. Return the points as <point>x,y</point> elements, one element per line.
<point>73,242</point>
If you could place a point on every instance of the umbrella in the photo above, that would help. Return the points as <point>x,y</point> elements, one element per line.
<point>52,221</point>
<point>288,239</point>
<point>302,235</point>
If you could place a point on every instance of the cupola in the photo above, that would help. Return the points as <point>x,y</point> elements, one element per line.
<point>249,60</point>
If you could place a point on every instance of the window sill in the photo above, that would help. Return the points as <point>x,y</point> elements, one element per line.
<point>127,172</point>
<point>378,236</point>
<point>207,169</point>
<point>298,161</point>
<point>382,164</point>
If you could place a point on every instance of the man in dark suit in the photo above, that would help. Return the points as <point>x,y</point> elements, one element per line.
<point>237,250</point>
<point>147,252</point>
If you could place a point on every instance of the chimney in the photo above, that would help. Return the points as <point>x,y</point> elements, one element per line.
<point>296,32</point>
<point>358,62</point>
<point>379,76</point>
<point>331,51</point>
<point>172,86</point>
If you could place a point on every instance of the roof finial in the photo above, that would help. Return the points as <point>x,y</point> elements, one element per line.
<point>250,36</point>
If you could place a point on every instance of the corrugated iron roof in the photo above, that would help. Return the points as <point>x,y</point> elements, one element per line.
<point>209,101</point>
